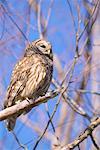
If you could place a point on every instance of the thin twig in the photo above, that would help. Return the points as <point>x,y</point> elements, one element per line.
<point>52,115</point>
<point>9,15</point>
<point>89,20</point>
<point>78,147</point>
<point>87,91</point>
<point>21,145</point>
<point>55,109</point>
<point>88,131</point>
<point>3,27</point>
<point>72,103</point>
<point>46,106</point>
<point>72,15</point>
<point>94,142</point>
<point>39,19</point>
<point>48,16</point>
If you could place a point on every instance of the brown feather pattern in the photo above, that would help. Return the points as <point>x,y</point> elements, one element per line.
<point>31,76</point>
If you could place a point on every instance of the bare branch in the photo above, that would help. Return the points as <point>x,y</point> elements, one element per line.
<point>39,19</point>
<point>94,142</point>
<point>25,105</point>
<point>88,131</point>
<point>9,15</point>
<point>96,6</point>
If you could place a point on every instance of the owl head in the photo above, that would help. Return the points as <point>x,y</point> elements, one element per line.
<point>41,46</point>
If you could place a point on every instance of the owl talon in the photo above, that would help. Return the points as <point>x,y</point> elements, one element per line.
<point>28,100</point>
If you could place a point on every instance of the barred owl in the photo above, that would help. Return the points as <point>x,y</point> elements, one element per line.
<point>31,76</point>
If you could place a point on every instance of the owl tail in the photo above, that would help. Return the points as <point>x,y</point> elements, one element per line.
<point>10,123</point>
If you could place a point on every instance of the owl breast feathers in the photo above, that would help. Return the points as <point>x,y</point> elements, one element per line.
<point>31,76</point>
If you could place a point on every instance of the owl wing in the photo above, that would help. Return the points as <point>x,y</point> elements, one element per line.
<point>27,77</point>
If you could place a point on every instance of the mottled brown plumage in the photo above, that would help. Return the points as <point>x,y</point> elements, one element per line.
<point>31,76</point>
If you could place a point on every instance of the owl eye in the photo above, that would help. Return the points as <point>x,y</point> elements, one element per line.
<point>43,46</point>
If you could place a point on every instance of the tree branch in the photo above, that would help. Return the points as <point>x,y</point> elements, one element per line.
<point>88,132</point>
<point>26,104</point>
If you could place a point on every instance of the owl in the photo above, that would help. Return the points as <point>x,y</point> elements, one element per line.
<point>31,77</point>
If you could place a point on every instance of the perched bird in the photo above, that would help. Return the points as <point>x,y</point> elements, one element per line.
<point>31,76</point>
